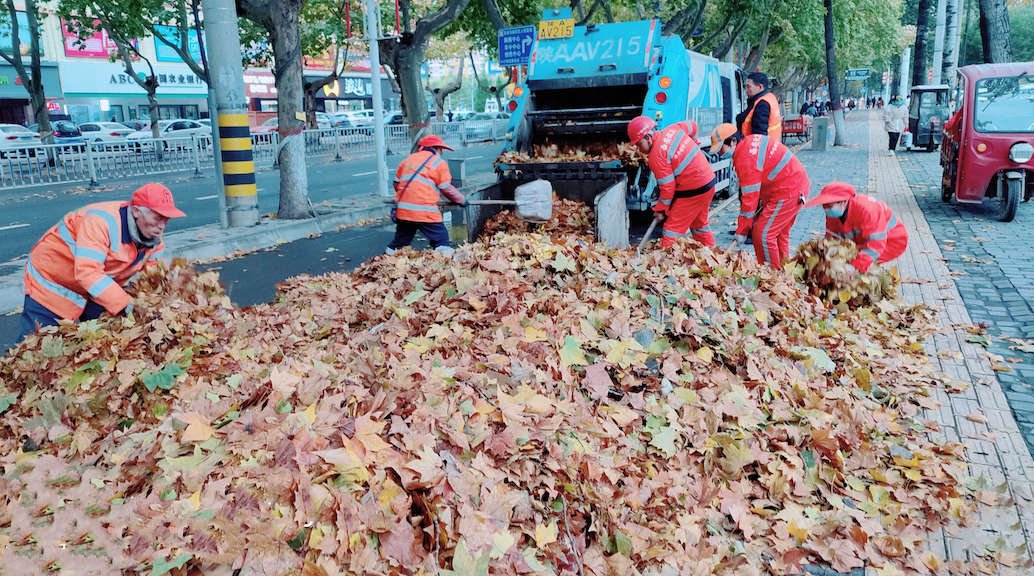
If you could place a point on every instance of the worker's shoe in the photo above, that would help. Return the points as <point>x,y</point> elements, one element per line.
<point>891,153</point>
<point>389,251</point>
<point>447,250</point>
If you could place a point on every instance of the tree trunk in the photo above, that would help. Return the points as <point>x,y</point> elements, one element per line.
<point>831,76</point>
<point>284,32</point>
<point>32,79</point>
<point>922,28</point>
<point>995,35</point>
<point>951,40</point>
<point>730,40</point>
<point>495,15</point>
<point>440,94</point>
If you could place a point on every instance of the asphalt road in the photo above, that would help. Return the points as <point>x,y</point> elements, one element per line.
<point>26,213</point>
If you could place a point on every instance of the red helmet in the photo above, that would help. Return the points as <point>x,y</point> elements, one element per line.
<point>432,141</point>
<point>831,194</point>
<point>638,128</point>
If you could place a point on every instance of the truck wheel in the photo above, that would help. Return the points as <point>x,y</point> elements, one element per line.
<point>1009,201</point>
<point>946,193</point>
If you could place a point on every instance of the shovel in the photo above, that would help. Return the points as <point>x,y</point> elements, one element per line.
<point>642,243</point>
<point>534,201</point>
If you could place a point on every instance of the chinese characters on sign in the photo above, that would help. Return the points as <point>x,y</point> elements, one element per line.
<point>163,79</point>
<point>515,45</point>
<point>99,45</point>
<point>165,53</point>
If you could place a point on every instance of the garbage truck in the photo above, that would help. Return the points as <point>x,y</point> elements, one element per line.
<point>584,84</point>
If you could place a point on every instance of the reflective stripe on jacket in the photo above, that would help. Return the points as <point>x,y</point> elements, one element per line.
<point>87,255</point>
<point>768,172</point>
<point>869,222</point>
<point>419,200</point>
<point>677,163</point>
<point>775,119</point>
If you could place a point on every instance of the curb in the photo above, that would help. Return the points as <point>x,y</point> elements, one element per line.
<point>210,240</point>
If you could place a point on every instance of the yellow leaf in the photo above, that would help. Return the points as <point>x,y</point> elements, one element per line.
<point>197,429</point>
<point>366,433</point>
<point>532,334</point>
<point>545,534</point>
<point>799,534</point>
<point>195,500</point>
<point>761,315</point>
<point>705,354</point>
<point>311,413</point>
<point>913,475</point>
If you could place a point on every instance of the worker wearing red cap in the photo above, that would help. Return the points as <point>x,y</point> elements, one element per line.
<point>773,185</point>
<point>77,270</point>
<point>419,181</point>
<point>874,228</point>
<point>684,178</point>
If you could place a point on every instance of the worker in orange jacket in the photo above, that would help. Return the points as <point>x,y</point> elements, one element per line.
<point>762,115</point>
<point>867,221</point>
<point>684,176</point>
<point>77,270</point>
<point>773,186</point>
<point>419,181</point>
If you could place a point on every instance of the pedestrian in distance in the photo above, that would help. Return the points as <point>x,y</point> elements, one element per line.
<point>867,221</point>
<point>684,176</point>
<point>762,115</point>
<point>77,271</point>
<point>419,181</point>
<point>894,115</point>
<point>773,184</point>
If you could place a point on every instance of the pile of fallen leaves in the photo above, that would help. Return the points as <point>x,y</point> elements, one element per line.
<point>574,151</point>
<point>822,266</point>
<point>570,218</point>
<point>527,405</point>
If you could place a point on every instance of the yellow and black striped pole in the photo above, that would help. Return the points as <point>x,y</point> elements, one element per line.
<point>238,164</point>
<point>226,74</point>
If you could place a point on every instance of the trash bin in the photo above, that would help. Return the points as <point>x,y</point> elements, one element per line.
<point>458,169</point>
<point>820,133</point>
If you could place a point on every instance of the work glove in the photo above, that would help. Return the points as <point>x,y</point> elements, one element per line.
<point>741,239</point>
<point>128,309</point>
<point>660,216</point>
<point>465,203</point>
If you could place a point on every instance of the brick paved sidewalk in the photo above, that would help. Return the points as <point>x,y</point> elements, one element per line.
<point>995,450</point>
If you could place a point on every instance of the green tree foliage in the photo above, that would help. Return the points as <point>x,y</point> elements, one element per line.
<point>1021,24</point>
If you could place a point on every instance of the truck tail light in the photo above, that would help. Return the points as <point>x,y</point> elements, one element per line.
<point>664,82</point>
<point>661,97</point>
<point>512,105</point>
<point>518,91</point>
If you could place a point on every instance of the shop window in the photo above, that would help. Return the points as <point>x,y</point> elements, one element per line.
<point>114,114</point>
<point>190,111</point>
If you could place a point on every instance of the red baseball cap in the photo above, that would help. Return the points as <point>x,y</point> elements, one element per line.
<point>157,198</point>
<point>831,194</point>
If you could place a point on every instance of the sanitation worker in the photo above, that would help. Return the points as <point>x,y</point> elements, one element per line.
<point>773,186</point>
<point>684,178</point>
<point>874,228</point>
<point>77,270</point>
<point>762,115</point>
<point>419,180</point>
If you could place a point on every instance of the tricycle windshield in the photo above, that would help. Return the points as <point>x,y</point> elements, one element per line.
<point>1005,104</point>
<point>929,105</point>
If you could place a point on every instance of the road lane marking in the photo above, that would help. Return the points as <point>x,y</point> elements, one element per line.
<point>207,197</point>
<point>12,226</point>
<point>365,173</point>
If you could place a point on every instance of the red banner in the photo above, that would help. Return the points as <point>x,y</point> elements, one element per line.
<point>96,46</point>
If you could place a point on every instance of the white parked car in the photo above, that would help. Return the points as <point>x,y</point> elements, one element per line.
<point>172,129</point>
<point>357,118</point>
<point>105,131</point>
<point>17,138</point>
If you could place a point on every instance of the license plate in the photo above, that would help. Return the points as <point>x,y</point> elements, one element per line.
<point>549,29</point>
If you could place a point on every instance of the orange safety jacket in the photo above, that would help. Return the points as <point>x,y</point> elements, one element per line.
<point>419,180</point>
<point>768,172</point>
<point>775,119</point>
<point>88,255</point>
<point>679,165</point>
<point>870,223</point>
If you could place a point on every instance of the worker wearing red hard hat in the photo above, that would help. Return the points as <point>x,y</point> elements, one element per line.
<point>684,178</point>
<point>419,181</point>
<point>77,270</point>
<point>773,185</point>
<point>874,228</point>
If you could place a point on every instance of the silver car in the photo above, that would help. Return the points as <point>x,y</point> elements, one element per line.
<point>171,130</point>
<point>105,131</point>
<point>15,139</point>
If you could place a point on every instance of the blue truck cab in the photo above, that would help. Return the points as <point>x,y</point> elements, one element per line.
<point>584,84</point>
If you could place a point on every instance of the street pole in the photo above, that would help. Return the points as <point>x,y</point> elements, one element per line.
<point>373,32</point>
<point>906,59</point>
<point>224,221</point>
<point>230,124</point>
<point>938,42</point>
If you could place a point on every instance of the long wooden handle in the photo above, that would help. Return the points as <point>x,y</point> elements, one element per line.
<point>646,237</point>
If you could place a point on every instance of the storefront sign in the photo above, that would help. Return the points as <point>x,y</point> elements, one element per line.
<point>325,62</point>
<point>99,45</point>
<point>171,33</point>
<point>53,106</point>
<point>259,84</point>
<point>110,78</point>
<point>23,36</point>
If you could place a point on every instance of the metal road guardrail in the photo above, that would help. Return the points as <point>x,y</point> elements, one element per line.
<point>94,162</point>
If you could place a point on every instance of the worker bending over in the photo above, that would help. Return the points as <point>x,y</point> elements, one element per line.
<point>419,181</point>
<point>77,270</point>
<point>773,186</point>
<point>684,178</point>
<point>874,228</point>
